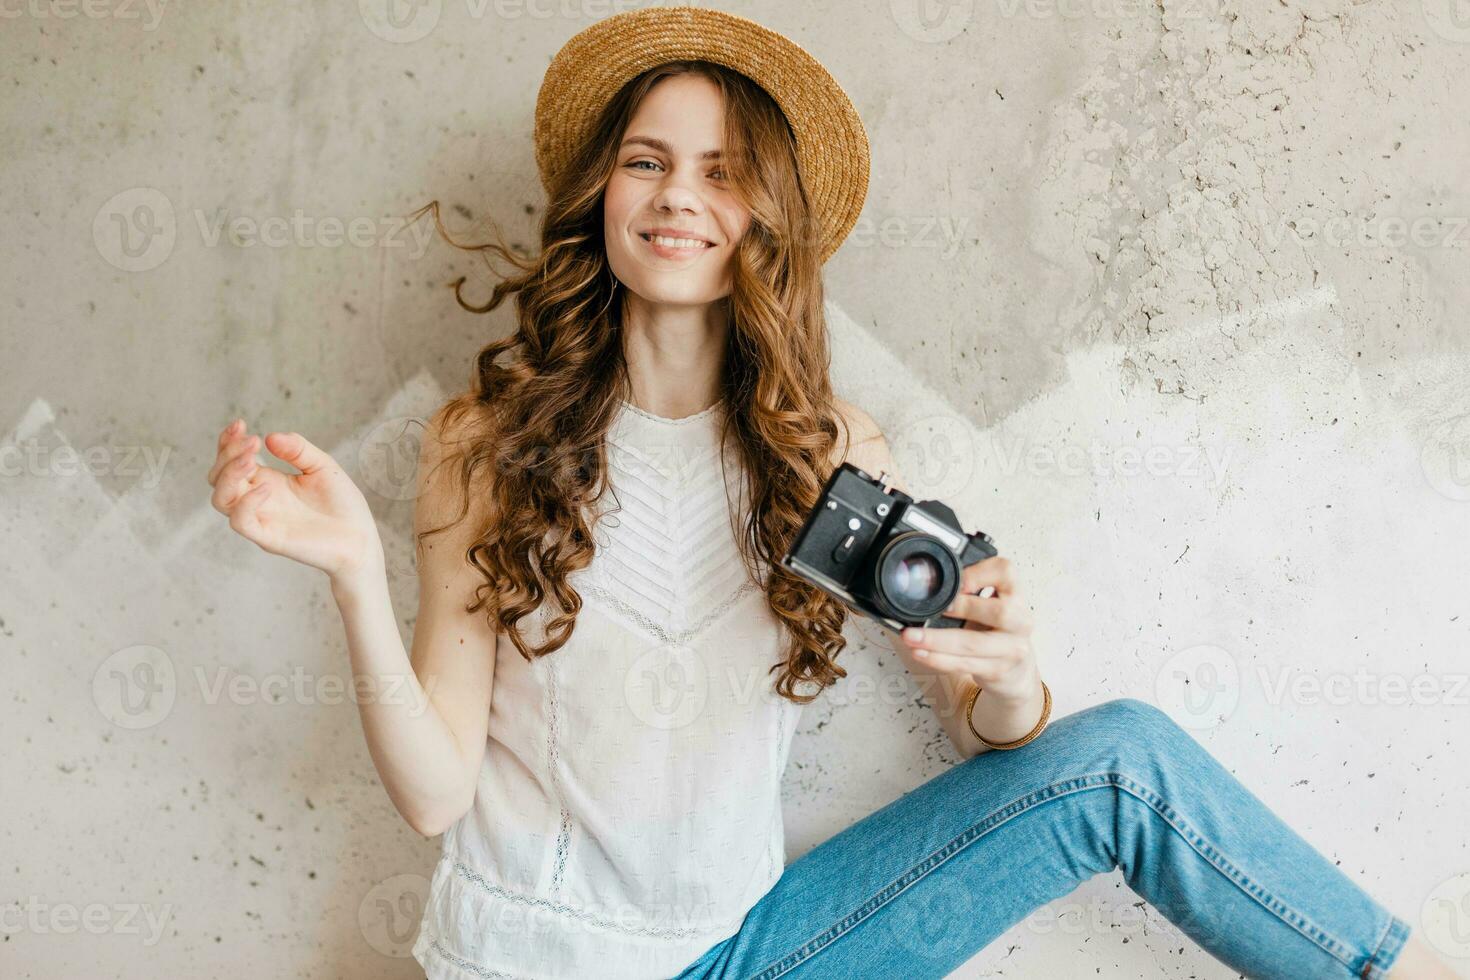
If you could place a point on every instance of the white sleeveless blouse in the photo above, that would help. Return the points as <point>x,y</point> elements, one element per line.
<point>628,812</point>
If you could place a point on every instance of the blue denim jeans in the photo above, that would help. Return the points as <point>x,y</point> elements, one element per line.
<point>922,885</point>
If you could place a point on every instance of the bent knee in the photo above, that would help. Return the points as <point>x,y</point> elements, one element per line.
<point>1134,717</point>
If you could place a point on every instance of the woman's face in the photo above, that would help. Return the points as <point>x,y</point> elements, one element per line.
<point>664,180</point>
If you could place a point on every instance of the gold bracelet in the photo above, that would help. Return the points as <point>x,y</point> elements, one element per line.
<point>1041,724</point>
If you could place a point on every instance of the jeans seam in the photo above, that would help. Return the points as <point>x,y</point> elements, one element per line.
<point>1021,804</point>
<point>997,817</point>
<point>1372,968</point>
<point>1327,942</point>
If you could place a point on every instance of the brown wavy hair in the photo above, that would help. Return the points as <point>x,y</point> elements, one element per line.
<point>537,421</point>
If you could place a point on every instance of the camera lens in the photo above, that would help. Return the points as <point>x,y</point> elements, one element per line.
<point>914,578</point>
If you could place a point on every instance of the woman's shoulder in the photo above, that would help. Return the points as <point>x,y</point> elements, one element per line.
<point>860,441</point>
<point>451,432</point>
<point>855,420</point>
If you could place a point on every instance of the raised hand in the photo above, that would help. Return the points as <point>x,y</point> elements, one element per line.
<point>317,517</point>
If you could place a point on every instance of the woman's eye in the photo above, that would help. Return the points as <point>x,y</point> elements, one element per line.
<point>633,164</point>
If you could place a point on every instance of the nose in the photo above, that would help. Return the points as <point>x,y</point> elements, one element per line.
<point>675,197</point>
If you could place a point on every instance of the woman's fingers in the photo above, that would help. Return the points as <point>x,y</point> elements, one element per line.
<point>236,477</point>
<point>228,437</point>
<point>1003,612</point>
<point>296,450</point>
<point>231,454</point>
<point>229,432</point>
<point>245,512</point>
<point>995,571</point>
<point>963,643</point>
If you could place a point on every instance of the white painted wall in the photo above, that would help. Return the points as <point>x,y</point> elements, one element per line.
<point>1233,236</point>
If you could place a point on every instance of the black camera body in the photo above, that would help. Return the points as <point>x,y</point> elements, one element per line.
<point>884,554</point>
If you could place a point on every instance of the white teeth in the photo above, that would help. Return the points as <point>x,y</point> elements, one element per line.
<point>678,242</point>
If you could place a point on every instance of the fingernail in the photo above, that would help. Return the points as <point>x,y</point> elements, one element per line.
<point>913,633</point>
<point>921,653</point>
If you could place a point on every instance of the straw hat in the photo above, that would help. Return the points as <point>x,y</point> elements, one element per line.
<point>831,144</point>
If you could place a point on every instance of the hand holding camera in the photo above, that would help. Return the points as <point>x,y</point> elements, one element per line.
<point>909,566</point>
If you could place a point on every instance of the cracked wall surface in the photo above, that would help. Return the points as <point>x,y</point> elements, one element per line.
<point>1167,297</point>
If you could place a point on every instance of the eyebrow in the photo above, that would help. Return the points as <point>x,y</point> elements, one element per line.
<point>663,147</point>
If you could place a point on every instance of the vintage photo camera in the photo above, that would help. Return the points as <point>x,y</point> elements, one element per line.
<point>884,554</point>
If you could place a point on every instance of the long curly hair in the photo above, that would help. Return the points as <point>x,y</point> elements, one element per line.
<point>537,421</point>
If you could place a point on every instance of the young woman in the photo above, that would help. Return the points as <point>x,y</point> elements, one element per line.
<point>608,665</point>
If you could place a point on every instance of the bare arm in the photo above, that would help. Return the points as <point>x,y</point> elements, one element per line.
<point>427,743</point>
<point>1003,711</point>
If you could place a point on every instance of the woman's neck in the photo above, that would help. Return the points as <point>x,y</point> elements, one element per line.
<point>675,355</point>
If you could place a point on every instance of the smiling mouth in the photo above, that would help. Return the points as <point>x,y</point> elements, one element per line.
<point>690,244</point>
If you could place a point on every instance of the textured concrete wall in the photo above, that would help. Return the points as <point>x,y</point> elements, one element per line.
<point>1166,296</point>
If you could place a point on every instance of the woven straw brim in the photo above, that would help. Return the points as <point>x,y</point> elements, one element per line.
<point>831,144</point>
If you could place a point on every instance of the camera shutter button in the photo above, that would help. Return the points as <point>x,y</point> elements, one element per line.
<point>843,551</point>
